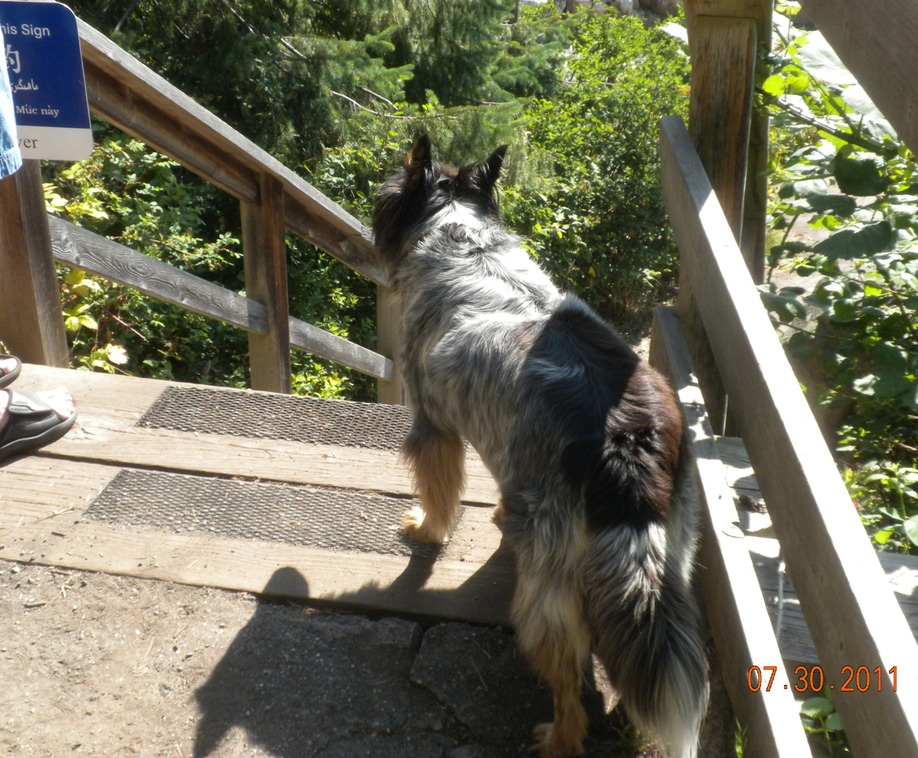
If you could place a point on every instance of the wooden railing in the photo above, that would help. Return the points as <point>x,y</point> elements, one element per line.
<point>730,372</point>
<point>273,200</point>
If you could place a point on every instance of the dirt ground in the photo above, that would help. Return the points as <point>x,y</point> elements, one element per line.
<point>94,664</point>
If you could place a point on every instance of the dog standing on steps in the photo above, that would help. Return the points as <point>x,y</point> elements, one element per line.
<point>583,438</point>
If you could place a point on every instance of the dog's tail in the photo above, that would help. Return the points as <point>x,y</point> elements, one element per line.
<point>644,621</point>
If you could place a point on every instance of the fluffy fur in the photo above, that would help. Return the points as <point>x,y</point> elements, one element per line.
<point>582,437</point>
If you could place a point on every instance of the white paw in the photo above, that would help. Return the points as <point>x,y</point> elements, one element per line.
<point>418,527</point>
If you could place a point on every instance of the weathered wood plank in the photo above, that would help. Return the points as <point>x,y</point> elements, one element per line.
<point>735,608</point>
<point>265,257</point>
<point>106,431</point>
<point>718,34</point>
<point>128,94</point>
<point>876,41</point>
<point>31,320</point>
<point>80,248</point>
<point>98,255</point>
<point>41,521</point>
<point>759,10</point>
<point>849,608</point>
<point>793,635</point>
<point>723,53</point>
<point>312,339</point>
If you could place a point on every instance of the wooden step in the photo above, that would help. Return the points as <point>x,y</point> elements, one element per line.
<point>223,501</point>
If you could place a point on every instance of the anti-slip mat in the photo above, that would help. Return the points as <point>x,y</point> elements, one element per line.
<point>279,417</point>
<point>298,515</point>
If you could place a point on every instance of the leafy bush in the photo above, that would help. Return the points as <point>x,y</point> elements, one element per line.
<point>132,195</point>
<point>855,332</point>
<point>591,201</point>
<point>333,97</point>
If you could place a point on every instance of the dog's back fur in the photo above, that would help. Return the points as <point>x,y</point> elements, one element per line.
<point>583,438</point>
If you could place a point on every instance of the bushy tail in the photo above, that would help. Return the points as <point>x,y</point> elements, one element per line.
<point>645,623</point>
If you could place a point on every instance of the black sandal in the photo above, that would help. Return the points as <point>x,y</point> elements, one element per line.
<point>31,423</point>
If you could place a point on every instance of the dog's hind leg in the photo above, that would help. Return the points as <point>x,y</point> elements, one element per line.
<point>437,460</point>
<point>553,634</point>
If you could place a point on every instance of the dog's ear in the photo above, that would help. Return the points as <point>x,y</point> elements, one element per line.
<point>487,171</point>
<point>419,158</point>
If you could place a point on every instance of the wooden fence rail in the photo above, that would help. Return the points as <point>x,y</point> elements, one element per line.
<point>74,246</point>
<point>849,607</point>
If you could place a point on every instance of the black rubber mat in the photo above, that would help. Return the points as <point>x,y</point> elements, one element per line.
<point>298,515</point>
<point>279,417</point>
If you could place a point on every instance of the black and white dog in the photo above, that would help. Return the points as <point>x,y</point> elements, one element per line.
<point>583,438</point>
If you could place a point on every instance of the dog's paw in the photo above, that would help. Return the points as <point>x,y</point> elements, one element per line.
<point>419,528</point>
<point>547,744</point>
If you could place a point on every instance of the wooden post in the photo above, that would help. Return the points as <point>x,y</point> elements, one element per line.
<point>31,319</point>
<point>724,39</point>
<point>265,257</point>
<point>388,312</point>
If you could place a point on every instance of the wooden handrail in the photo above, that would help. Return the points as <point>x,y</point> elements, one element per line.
<point>849,608</point>
<point>131,96</point>
<point>736,609</point>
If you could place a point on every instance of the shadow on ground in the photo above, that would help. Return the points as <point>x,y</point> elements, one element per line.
<point>340,686</point>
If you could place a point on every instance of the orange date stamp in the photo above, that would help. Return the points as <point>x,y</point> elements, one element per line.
<point>812,679</point>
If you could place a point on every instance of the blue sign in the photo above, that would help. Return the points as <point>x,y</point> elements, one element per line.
<point>42,47</point>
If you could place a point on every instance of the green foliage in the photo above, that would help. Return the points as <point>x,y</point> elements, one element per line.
<point>593,207</point>
<point>534,52</point>
<point>455,45</point>
<point>132,195</point>
<point>340,90</point>
<point>843,170</point>
<point>823,725</point>
<point>740,740</point>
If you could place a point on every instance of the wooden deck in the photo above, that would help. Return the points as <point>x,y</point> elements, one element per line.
<point>46,497</point>
<point>233,506</point>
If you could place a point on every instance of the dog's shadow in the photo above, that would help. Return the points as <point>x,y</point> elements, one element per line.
<point>300,682</point>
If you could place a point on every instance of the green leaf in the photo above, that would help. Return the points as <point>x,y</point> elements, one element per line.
<point>785,304</point>
<point>884,385</point>
<point>809,188</point>
<point>863,243</point>
<point>837,205</point>
<point>834,722</point>
<point>911,530</point>
<point>774,85</point>
<point>882,537</point>
<point>817,707</point>
<point>844,311</point>
<point>860,176</point>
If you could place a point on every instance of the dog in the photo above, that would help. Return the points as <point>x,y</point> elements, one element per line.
<point>583,438</point>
